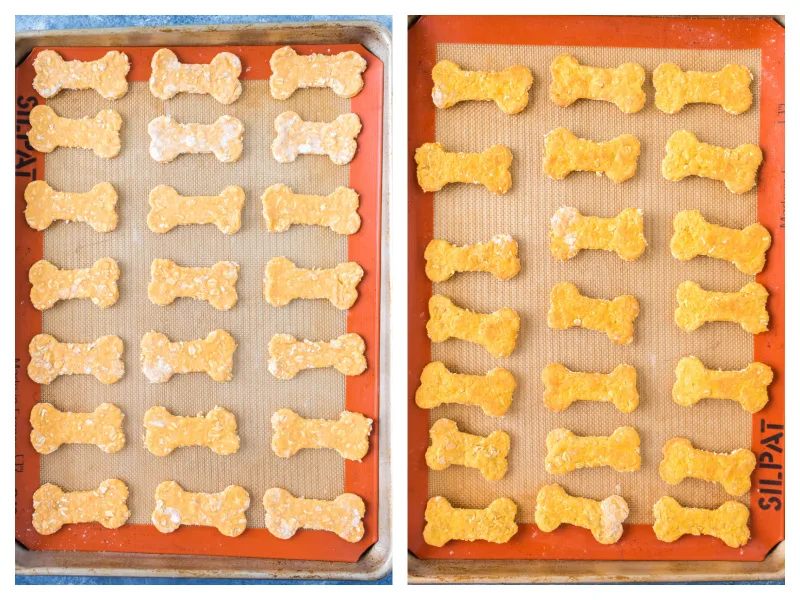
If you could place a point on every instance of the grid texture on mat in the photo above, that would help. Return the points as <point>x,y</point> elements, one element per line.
<point>253,394</point>
<point>467,214</point>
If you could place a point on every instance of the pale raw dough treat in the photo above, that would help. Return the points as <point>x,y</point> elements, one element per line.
<point>604,519</point>
<point>568,308</point>
<point>495,523</point>
<point>216,284</point>
<point>161,358</point>
<point>99,133</point>
<point>51,284</point>
<point>675,88</point>
<point>449,446</point>
<point>97,207</point>
<point>564,153</point>
<point>621,86</point>
<point>747,307</point>
<point>343,516</point>
<point>338,210</point>
<point>571,232</point>
<point>224,510</point>
<point>219,79</point>
<point>498,257</point>
<point>748,387</point>
<point>169,139</point>
<point>288,356</point>
<point>567,451</point>
<point>169,209</point>
<point>493,392</point>
<point>349,435</point>
<point>737,167</point>
<point>562,387</point>
<point>746,248</point>
<point>339,72</point>
<point>54,508</point>
<point>284,282</point>
<point>436,168</point>
<point>101,428</point>
<point>165,431</point>
<point>51,358</point>
<point>728,522</point>
<point>508,88</point>
<point>682,460</point>
<point>336,139</point>
<point>106,76</point>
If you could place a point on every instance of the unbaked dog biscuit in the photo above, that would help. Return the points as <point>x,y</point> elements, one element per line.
<point>748,387</point>
<point>349,435</point>
<point>224,510</point>
<point>567,452</point>
<point>101,428</point>
<point>571,232</point>
<point>288,356</point>
<point>339,72</point>
<point>728,522</point>
<point>498,257</point>
<point>285,514</point>
<point>621,85</point>
<point>497,332</point>
<point>490,168</point>
<point>682,460</point>
<point>675,88</point>
<point>97,207</point>
<point>284,282</point>
<point>219,79</point>
<point>165,432</point>
<point>169,139</point>
<point>106,76</point>
<point>216,284</point>
<point>737,167</point>
<point>747,307</point>
<point>508,88</point>
<point>51,358</point>
<point>495,523</point>
<point>604,519</point>
<point>449,446</point>
<point>49,284</point>
<point>54,508</point>
<point>169,209</point>
<point>562,387</point>
<point>493,392</point>
<point>336,139</point>
<point>564,153</point>
<point>568,308</point>
<point>161,358</point>
<point>338,210</point>
<point>99,133</point>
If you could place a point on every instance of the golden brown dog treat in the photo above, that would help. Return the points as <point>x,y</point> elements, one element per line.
<point>283,208</point>
<point>216,284</point>
<point>51,284</point>
<point>568,308</point>
<point>508,88</point>
<point>284,282</point>
<point>571,232</point>
<point>495,523</point>
<point>54,508</point>
<point>682,460</point>
<point>675,88</point>
<point>737,167</point>
<point>349,435</point>
<point>219,79</point>
<point>748,307</point>
<point>101,428</point>
<point>567,452</point>
<point>339,72</point>
<point>51,358</point>
<point>449,446</point>
<point>562,387</point>
<point>493,392</point>
<point>728,522</point>
<point>161,358</point>
<point>224,510</point>
<point>287,356</point>
<point>604,519</point>
<point>169,139</point>
<point>105,75</point>
<point>336,139</point>
<point>97,207</point>
<point>564,153</point>
<point>748,387</point>
<point>436,168</point>
<point>497,332</point>
<point>165,431</point>
<point>100,133</point>
<point>169,209</point>
<point>286,514</point>
<point>498,257</point>
<point>621,86</point>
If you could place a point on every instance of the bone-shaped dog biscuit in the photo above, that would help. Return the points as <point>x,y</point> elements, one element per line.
<point>97,207</point>
<point>682,460</point>
<point>99,133</point>
<point>571,232</point>
<point>224,510</point>
<point>336,139</point>
<point>165,431</point>
<point>161,358</point>
<point>339,72</point>
<point>51,284</point>
<point>168,209</point>
<point>748,307</point>
<point>101,428</point>
<point>436,168</point>
<point>493,392</point>
<point>562,387</point>
<point>748,387</point>
<point>284,282</point>
<point>498,257</point>
<point>219,79</point>
<point>497,332</point>
<point>508,88</point>
<point>169,139</point>
<point>349,435</point>
<point>287,356</point>
<point>564,153</point>
<point>621,86</point>
<point>51,358</point>
<point>604,519</point>
<point>495,523</point>
<point>728,522</point>
<point>54,508</point>
<point>215,284</point>
<point>568,308</point>
<point>285,514</point>
<point>675,88</point>
<point>449,446</point>
<point>106,76</point>
<point>567,452</point>
<point>737,167</point>
<point>283,208</point>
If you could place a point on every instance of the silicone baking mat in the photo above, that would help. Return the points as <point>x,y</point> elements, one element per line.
<point>467,214</point>
<point>253,395</point>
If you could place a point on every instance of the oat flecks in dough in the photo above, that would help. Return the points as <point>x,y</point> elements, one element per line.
<point>493,392</point>
<point>336,139</point>
<point>216,284</point>
<point>288,356</point>
<point>604,519</point>
<point>564,153</point>
<point>282,208</point>
<point>97,207</point>
<point>54,508</point>
<point>106,75</point>
<point>495,523</point>
<point>728,522</point>
<point>748,387</point>
<point>100,133</point>
<point>497,332</point>
<point>568,308</point>
<point>166,432</point>
<point>436,168</point>
<point>567,452</point>
<point>449,446</point>
<point>224,510</point>
<point>285,514</point>
<point>349,435</point>
<point>101,428</point>
<point>682,460</point>
<point>507,88</point>
<point>747,307</point>
<point>51,358</point>
<point>562,387</point>
<point>498,257</point>
<point>284,282</point>
<point>219,78</point>
<point>621,86</point>
<point>730,88</point>
<point>49,284</point>
<point>161,358</point>
<point>339,72</point>
<point>571,232</point>
<point>169,139</point>
<point>169,209</point>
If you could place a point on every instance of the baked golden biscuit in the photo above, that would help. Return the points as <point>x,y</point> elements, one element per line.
<point>748,387</point>
<point>567,452</point>
<point>571,232</point>
<point>490,168</point>
<point>562,387</point>
<point>493,392</point>
<point>728,522</point>
<point>682,460</point>
<point>621,86</point>
<point>747,307</point>
<point>568,308</point>
<point>675,88</point>
<point>604,519</point>
<point>564,153</point>
<point>449,446</point>
<point>497,332</point>
<point>498,257</point>
<point>507,88</point>
<point>495,523</point>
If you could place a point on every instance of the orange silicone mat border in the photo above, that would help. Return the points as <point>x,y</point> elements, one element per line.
<point>638,541</point>
<point>362,393</point>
